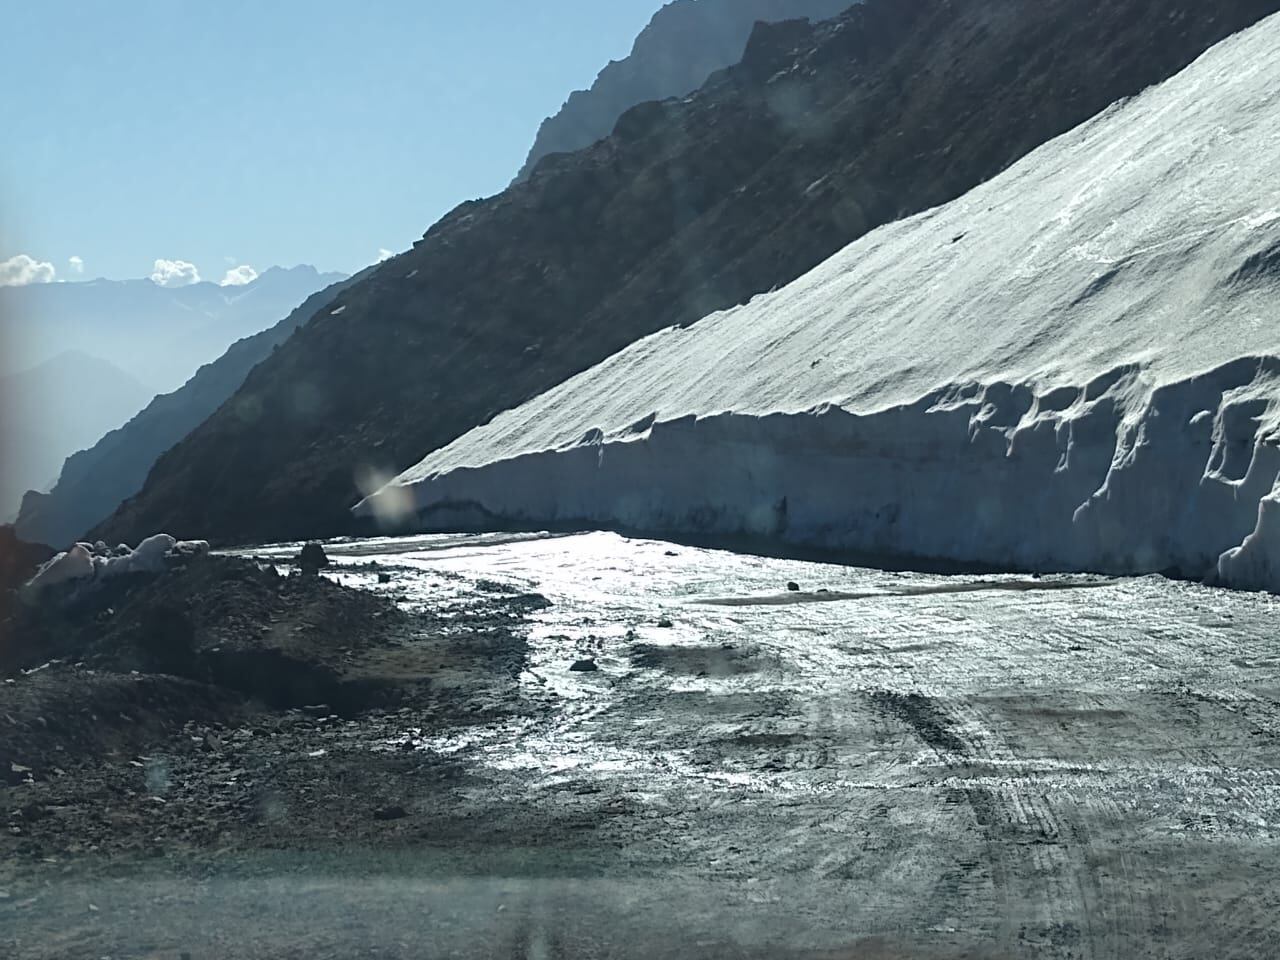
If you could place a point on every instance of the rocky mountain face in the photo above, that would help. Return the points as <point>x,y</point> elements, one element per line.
<point>684,43</point>
<point>95,481</point>
<point>822,133</point>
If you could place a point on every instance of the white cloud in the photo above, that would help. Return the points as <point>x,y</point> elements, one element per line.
<point>385,254</point>
<point>76,264</point>
<point>21,270</point>
<point>174,273</point>
<point>240,276</point>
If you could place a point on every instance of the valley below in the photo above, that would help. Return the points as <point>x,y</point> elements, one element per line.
<point>544,745</point>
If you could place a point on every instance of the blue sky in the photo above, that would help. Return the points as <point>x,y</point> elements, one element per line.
<point>263,132</point>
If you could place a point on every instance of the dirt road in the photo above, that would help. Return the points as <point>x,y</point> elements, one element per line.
<point>924,768</point>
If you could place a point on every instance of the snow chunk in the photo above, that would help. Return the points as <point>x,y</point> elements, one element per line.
<point>1255,564</point>
<point>93,563</point>
<point>74,564</point>
<point>151,556</point>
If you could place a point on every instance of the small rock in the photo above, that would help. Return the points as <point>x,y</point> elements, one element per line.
<point>384,578</point>
<point>392,812</point>
<point>793,587</point>
<point>584,666</point>
<point>35,811</point>
<point>671,553</point>
<point>665,624</point>
<point>189,549</point>
<point>312,559</point>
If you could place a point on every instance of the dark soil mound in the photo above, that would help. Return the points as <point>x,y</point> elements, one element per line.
<point>18,562</point>
<point>55,719</point>
<point>223,702</point>
<point>227,622</point>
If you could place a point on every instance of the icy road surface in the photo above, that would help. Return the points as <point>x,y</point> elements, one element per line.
<point>900,765</point>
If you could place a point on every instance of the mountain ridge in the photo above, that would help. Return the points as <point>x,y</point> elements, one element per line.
<point>682,45</point>
<point>160,335</point>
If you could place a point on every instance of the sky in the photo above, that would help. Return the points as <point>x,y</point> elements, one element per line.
<point>158,137</point>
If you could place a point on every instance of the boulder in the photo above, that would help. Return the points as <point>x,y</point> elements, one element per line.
<point>312,559</point>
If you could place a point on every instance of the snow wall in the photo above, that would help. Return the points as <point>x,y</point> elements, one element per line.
<point>995,476</point>
<point>1105,316</point>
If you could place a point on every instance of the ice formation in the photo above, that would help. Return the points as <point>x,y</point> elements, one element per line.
<point>1074,366</point>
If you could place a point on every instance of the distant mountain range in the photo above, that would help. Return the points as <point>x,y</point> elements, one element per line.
<point>821,134</point>
<point>684,43</point>
<point>158,335</point>
<point>96,480</point>
<point>81,359</point>
<point>54,409</point>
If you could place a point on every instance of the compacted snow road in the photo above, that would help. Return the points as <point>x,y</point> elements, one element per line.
<point>875,765</point>
<point>879,764</point>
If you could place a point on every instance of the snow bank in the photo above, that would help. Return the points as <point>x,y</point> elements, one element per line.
<point>74,564</point>
<point>1071,367</point>
<point>91,563</point>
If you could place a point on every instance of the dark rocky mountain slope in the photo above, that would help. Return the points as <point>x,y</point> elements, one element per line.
<point>684,43</point>
<point>94,482</point>
<point>18,563</point>
<point>821,134</point>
